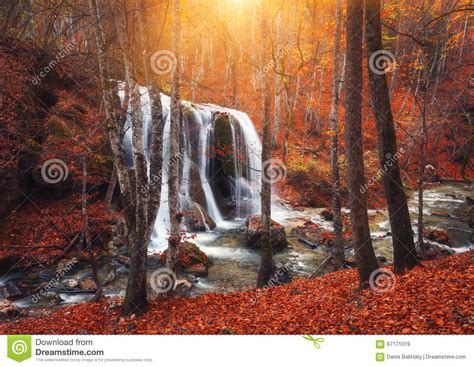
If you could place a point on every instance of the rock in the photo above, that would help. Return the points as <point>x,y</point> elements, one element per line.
<point>11,292</point>
<point>469,200</point>
<point>198,270</point>
<point>197,218</point>
<point>350,262</point>
<point>437,235</point>
<point>433,251</point>
<point>281,276</point>
<point>382,260</point>
<point>191,259</point>
<point>123,260</point>
<point>9,261</point>
<point>441,213</point>
<point>314,234</point>
<point>70,283</point>
<point>87,283</point>
<point>8,309</point>
<point>253,233</point>
<point>327,215</point>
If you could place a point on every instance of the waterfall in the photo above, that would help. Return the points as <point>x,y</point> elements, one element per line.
<point>220,164</point>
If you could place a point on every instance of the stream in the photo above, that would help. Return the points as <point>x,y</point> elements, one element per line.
<point>234,267</point>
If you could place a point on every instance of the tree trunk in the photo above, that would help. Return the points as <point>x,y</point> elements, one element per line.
<point>265,270</point>
<point>156,140</point>
<point>362,244</point>
<point>334,125</point>
<point>173,183</point>
<point>136,293</point>
<point>87,240</point>
<point>400,223</point>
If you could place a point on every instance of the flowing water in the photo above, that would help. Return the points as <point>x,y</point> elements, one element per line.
<point>229,198</point>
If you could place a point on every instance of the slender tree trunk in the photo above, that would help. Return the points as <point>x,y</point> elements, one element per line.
<point>361,241</point>
<point>156,140</point>
<point>402,234</point>
<point>265,270</point>
<point>114,128</point>
<point>136,293</point>
<point>173,183</point>
<point>334,125</point>
<point>87,239</point>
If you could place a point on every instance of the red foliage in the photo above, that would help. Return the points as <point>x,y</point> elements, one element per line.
<point>434,298</point>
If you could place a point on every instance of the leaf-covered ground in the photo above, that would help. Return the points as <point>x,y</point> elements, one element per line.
<point>434,298</point>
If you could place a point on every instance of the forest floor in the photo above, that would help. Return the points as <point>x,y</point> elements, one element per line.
<point>433,298</point>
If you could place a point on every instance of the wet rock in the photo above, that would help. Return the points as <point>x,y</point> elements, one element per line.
<point>314,234</point>
<point>87,284</point>
<point>197,218</point>
<point>8,309</point>
<point>199,270</point>
<point>469,200</point>
<point>437,235</point>
<point>327,215</point>
<point>432,251</point>
<point>350,262</point>
<point>441,213</point>
<point>191,259</point>
<point>11,292</point>
<point>382,260</point>
<point>253,233</point>
<point>70,283</point>
<point>123,260</point>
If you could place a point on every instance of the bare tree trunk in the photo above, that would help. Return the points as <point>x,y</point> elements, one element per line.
<point>404,252</point>
<point>173,183</point>
<point>136,293</point>
<point>361,241</point>
<point>334,125</point>
<point>114,128</point>
<point>87,239</point>
<point>156,140</point>
<point>265,270</point>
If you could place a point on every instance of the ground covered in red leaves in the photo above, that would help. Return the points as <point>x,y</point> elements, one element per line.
<point>434,298</point>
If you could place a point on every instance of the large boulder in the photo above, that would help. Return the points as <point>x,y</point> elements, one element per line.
<point>191,259</point>
<point>196,218</point>
<point>253,231</point>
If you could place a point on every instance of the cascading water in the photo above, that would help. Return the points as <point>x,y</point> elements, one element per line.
<point>220,164</point>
